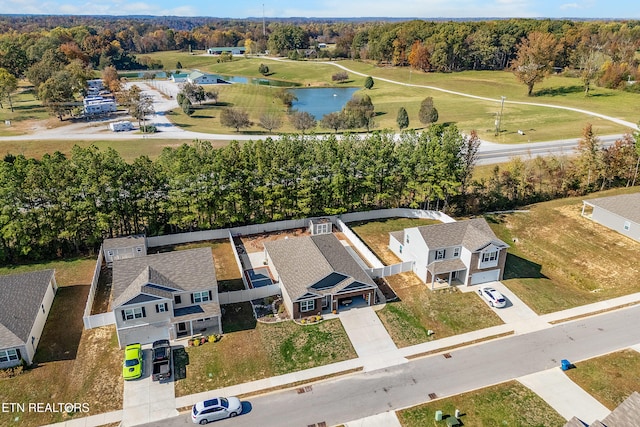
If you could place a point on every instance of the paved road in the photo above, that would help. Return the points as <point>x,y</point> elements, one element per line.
<point>365,394</point>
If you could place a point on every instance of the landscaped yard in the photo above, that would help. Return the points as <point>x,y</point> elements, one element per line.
<point>611,378</point>
<point>250,351</point>
<point>559,260</point>
<point>446,312</point>
<point>71,365</point>
<point>508,404</point>
<point>227,272</point>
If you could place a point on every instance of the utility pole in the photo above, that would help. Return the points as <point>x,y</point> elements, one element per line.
<point>499,118</point>
<point>264,27</point>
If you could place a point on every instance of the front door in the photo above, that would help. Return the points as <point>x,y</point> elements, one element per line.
<point>326,301</point>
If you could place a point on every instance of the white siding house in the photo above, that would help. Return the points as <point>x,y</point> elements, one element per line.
<point>619,213</point>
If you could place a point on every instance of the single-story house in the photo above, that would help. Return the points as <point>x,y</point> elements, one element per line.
<point>465,251</point>
<point>165,296</point>
<point>317,274</point>
<point>25,303</point>
<point>238,50</point>
<point>124,247</point>
<point>199,78</point>
<point>179,77</point>
<point>619,213</point>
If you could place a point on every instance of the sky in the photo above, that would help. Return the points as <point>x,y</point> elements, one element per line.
<point>424,9</point>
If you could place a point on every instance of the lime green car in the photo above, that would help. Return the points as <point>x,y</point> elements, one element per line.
<point>132,367</point>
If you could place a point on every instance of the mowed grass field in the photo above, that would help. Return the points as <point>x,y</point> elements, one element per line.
<point>610,378</point>
<point>559,259</point>
<point>538,123</point>
<point>250,351</point>
<point>71,364</point>
<point>447,312</point>
<point>507,404</point>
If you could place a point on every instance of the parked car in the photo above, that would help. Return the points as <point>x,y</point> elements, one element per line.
<point>494,297</point>
<point>132,366</point>
<point>215,409</point>
<point>161,360</point>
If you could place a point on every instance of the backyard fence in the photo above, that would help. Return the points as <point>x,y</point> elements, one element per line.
<point>232,297</point>
<point>359,245</point>
<point>96,320</point>
<point>238,261</point>
<point>396,212</point>
<point>390,270</point>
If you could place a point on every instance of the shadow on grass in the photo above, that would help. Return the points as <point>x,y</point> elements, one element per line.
<point>180,362</point>
<point>238,317</point>
<point>63,330</point>
<point>230,285</point>
<point>560,90</point>
<point>520,268</point>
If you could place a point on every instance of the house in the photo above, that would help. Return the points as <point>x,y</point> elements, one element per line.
<point>625,415</point>
<point>465,251</point>
<point>317,274</point>
<point>124,247</point>
<point>25,303</point>
<point>199,78</point>
<point>165,296</point>
<point>619,213</point>
<point>232,50</point>
<point>179,77</point>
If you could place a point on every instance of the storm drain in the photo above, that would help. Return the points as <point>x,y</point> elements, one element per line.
<point>304,389</point>
<point>320,424</point>
<point>447,355</point>
<point>432,396</point>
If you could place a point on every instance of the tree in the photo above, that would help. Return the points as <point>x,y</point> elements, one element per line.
<point>403,118</point>
<point>428,113</point>
<point>178,66</point>
<point>285,38</point>
<point>536,55</point>
<point>286,97</point>
<point>359,112</point>
<point>368,82</point>
<point>8,85</point>
<point>235,118</point>
<point>333,121</point>
<point>469,158</point>
<point>263,69</point>
<point>187,106</point>
<point>340,76</point>
<point>302,121</point>
<point>57,94</point>
<point>111,79</point>
<point>589,155</point>
<point>141,108</point>
<point>270,121</point>
<point>419,56</point>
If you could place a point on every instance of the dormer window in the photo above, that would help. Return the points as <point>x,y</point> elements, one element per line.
<point>440,254</point>
<point>456,252</point>
<point>490,256</point>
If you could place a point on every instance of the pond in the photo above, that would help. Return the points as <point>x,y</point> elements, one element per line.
<point>319,101</point>
<point>256,81</point>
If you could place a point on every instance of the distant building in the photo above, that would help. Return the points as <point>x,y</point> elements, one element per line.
<point>619,213</point>
<point>221,50</point>
<point>179,77</point>
<point>199,78</point>
<point>98,105</point>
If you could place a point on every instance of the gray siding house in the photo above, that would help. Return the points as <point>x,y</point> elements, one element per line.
<point>466,252</point>
<point>619,213</point>
<point>25,303</point>
<point>317,274</point>
<point>165,296</point>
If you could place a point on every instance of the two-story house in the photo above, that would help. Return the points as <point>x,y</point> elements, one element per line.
<point>465,252</point>
<point>25,303</point>
<point>165,296</point>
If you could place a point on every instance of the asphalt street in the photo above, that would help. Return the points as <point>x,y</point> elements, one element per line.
<point>363,394</point>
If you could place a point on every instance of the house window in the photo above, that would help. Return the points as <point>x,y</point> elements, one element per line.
<point>43,311</point>
<point>307,305</point>
<point>201,296</point>
<point>139,249</point>
<point>7,355</point>
<point>456,252</point>
<point>178,299</point>
<point>440,253</point>
<point>400,248</point>
<point>161,308</point>
<point>489,256</point>
<point>33,342</point>
<point>133,313</point>
<point>627,225</point>
<point>406,239</point>
<point>110,253</point>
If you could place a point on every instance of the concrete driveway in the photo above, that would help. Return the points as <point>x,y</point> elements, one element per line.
<point>146,401</point>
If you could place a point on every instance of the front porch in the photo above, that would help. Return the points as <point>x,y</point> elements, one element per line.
<point>196,319</point>
<point>446,273</point>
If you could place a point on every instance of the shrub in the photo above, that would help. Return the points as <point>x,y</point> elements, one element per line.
<point>148,129</point>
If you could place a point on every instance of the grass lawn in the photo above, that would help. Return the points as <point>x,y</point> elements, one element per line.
<point>611,378</point>
<point>251,351</point>
<point>507,404</point>
<point>227,272</point>
<point>446,312</point>
<point>561,260</point>
<point>71,365</point>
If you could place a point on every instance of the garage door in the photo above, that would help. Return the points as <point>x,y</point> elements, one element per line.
<point>144,334</point>
<point>485,276</point>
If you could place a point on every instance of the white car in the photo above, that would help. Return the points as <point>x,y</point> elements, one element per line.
<point>215,409</point>
<point>494,297</point>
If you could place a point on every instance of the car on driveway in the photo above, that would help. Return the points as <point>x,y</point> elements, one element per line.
<point>492,296</point>
<point>215,409</point>
<point>132,366</point>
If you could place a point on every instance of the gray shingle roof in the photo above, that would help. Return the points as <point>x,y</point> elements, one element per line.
<point>625,205</point>
<point>473,234</point>
<point>21,298</point>
<point>398,235</point>
<point>626,414</point>
<point>123,242</point>
<point>304,261</point>
<point>190,270</point>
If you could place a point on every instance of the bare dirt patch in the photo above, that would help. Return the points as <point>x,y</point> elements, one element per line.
<point>255,242</point>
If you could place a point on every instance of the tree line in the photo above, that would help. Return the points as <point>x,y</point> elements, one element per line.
<point>61,205</point>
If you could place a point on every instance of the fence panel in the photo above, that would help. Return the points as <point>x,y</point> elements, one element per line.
<point>390,270</point>
<point>94,284</point>
<point>237,257</point>
<point>98,320</point>
<point>232,297</point>
<point>359,245</point>
<point>395,212</point>
<point>194,236</point>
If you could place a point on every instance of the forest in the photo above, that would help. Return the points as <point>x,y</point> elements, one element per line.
<point>65,205</point>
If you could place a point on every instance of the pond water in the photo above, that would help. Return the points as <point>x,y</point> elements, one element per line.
<point>257,81</point>
<point>319,101</point>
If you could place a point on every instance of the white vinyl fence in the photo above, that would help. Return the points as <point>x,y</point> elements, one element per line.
<point>237,256</point>
<point>390,270</point>
<point>248,294</point>
<point>396,212</point>
<point>359,245</point>
<point>96,320</point>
